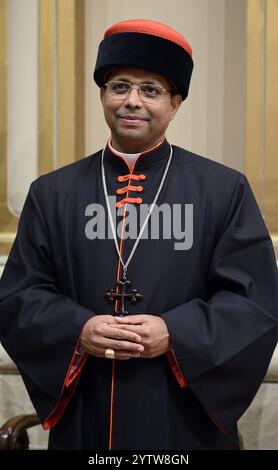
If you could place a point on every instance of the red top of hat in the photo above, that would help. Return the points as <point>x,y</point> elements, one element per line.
<point>154,28</point>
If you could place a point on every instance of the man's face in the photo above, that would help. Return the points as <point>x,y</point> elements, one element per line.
<point>137,125</point>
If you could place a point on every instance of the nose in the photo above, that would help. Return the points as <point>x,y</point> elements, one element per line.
<point>133,98</point>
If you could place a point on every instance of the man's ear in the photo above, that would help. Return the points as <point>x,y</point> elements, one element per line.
<point>176,101</point>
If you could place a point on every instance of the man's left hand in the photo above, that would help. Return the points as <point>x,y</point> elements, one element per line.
<point>153,331</point>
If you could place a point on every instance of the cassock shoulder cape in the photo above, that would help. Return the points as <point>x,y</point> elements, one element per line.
<point>218,299</point>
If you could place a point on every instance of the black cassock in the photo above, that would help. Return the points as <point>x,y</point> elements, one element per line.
<point>218,299</point>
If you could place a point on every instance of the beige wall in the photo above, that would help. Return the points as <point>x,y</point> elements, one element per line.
<point>22,136</point>
<point>211,120</point>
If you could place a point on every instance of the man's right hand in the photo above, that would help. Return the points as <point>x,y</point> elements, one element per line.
<point>98,334</point>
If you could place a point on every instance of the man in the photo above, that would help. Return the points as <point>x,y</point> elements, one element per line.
<point>172,360</point>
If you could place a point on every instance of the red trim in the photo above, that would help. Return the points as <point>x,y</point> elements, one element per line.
<point>111,406</point>
<point>152,148</point>
<point>131,177</point>
<point>176,368</point>
<point>183,383</point>
<point>126,178</point>
<point>69,386</point>
<point>116,309</point>
<point>154,28</point>
<point>58,411</point>
<point>76,369</point>
<point>216,423</point>
<point>118,153</point>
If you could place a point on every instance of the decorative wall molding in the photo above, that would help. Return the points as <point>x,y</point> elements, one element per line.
<point>8,223</point>
<point>41,97</point>
<point>262,108</point>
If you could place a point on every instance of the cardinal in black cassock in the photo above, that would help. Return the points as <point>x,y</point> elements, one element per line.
<point>217,293</point>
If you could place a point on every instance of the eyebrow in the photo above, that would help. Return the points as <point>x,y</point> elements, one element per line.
<point>124,79</point>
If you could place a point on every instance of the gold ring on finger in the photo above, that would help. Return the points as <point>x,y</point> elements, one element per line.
<point>109,353</point>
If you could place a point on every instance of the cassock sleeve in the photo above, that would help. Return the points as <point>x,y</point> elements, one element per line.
<point>39,326</point>
<point>223,344</point>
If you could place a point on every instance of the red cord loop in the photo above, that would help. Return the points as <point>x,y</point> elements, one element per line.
<point>132,200</point>
<point>123,179</point>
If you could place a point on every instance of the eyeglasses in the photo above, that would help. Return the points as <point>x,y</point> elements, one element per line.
<point>119,90</point>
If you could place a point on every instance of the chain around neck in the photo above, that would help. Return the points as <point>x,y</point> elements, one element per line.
<point>125,265</point>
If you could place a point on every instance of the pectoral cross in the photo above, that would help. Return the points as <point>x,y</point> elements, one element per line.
<point>123,295</point>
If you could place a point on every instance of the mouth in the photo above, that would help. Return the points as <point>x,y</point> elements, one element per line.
<point>132,119</point>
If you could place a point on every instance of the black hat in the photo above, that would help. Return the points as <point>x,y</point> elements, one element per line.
<point>149,45</point>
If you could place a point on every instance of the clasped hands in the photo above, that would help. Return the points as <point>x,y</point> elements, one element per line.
<point>133,336</point>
